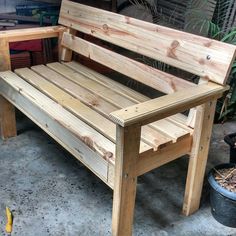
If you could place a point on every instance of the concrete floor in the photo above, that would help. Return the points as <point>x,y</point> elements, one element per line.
<point>51,193</point>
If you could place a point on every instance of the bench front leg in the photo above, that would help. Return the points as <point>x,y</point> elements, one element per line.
<point>127,151</point>
<point>7,110</point>
<point>7,119</point>
<point>198,158</point>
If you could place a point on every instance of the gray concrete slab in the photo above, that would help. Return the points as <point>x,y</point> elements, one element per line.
<point>52,194</point>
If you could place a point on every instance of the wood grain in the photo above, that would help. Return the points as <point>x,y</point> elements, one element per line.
<point>145,74</point>
<point>198,158</point>
<point>151,137</point>
<point>167,105</point>
<point>58,123</point>
<point>93,139</point>
<point>31,33</point>
<point>207,58</point>
<point>179,119</point>
<point>150,160</point>
<point>119,98</point>
<point>127,151</point>
<point>7,111</point>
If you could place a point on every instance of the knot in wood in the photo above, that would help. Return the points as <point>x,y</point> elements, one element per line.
<point>175,44</point>
<point>126,176</point>
<point>105,27</point>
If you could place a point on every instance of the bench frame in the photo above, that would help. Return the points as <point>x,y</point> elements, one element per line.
<point>129,162</point>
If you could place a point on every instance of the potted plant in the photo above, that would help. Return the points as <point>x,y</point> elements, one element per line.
<point>222,180</point>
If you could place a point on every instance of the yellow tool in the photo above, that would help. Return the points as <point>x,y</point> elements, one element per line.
<point>9,221</point>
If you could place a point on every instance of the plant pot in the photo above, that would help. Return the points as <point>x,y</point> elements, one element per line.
<point>231,139</point>
<point>223,202</point>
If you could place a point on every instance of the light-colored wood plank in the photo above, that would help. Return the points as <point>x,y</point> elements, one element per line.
<point>149,136</point>
<point>119,98</point>
<point>58,123</point>
<point>66,54</point>
<point>91,99</point>
<point>151,160</point>
<point>198,158</point>
<point>92,74</point>
<point>145,74</point>
<point>107,92</point>
<point>111,174</point>
<point>201,56</point>
<point>93,139</point>
<point>89,116</point>
<point>125,183</point>
<point>179,119</point>
<point>7,119</point>
<point>191,120</point>
<point>31,33</point>
<point>5,60</point>
<point>159,108</point>
<point>7,111</point>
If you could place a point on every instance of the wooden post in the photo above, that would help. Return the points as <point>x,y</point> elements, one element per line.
<point>192,113</point>
<point>7,110</point>
<point>127,151</point>
<point>65,54</point>
<point>198,158</point>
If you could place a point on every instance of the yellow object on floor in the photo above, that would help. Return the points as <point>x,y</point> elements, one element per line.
<point>9,221</point>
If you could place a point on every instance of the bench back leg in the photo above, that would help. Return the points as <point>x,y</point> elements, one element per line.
<point>65,54</point>
<point>198,158</point>
<point>7,110</point>
<point>127,151</point>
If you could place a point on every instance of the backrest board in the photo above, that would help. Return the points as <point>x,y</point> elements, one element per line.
<point>207,58</point>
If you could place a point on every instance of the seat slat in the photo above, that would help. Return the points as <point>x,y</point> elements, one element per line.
<point>85,133</point>
<point>91,117</point>
<point>59,131</point>
<point>178,119</point>
<point>106,81</point>
<point>94,119</point>
<point>150,136</point>
<point>173,131</point>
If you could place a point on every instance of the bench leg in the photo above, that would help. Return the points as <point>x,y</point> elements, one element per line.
<point>7,119</point>
<point>198,158</point>
<point>127,151</point>
<point>7,110</point>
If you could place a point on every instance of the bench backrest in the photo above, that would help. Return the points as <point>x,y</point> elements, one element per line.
<point>207,58</point>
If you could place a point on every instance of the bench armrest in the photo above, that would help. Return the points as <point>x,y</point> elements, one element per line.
<point>31,33</point>
<point>159,108</point>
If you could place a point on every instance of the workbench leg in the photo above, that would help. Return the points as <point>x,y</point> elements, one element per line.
<point>7,110</point>
<point>198,158</point>
<point>7,119</point>
<point>127,151</point>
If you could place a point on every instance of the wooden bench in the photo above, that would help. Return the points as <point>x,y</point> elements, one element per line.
<point>118,133</point>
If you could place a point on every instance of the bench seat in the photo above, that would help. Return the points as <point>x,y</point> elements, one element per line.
<point>72,104</point>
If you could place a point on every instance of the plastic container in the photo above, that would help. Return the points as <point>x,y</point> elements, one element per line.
<point>231,139</point>
<point>223,202</point>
